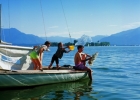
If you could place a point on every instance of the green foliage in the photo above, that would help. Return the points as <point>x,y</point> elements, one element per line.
<point>75,41</point>
<point>87,44</point>
<point>54,43</point>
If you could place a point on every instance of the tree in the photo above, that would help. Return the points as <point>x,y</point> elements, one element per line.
<point>75,41</point>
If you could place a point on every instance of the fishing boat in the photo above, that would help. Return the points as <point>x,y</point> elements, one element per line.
<point>16,69</point>
<point>22,78</point>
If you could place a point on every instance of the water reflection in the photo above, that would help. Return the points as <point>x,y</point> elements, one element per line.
<point>71,90</point>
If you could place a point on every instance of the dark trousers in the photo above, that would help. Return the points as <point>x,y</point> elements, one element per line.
<point>55,58</point>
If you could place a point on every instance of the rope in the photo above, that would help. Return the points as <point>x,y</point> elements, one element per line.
<point>0,25</point>
<point>43,19</point>
<point>6,52</point>
<point>9,14</point>
<point>9,23</point>
<point>66,21</point>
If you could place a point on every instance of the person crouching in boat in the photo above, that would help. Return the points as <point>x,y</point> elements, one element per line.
<point>80,59</point>
<point>58,55</point>
<point>37,54</point>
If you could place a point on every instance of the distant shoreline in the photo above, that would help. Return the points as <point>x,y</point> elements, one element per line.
<point>31,45</point>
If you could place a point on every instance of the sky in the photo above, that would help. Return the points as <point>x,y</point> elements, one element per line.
<point>47,18</point>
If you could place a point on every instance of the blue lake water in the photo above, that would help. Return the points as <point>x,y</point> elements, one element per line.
<point>115,77</point>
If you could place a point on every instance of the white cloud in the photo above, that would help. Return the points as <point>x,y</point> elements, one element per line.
<point>131,25</point>
<point>63,34</point>
<point>80,33</point>
<point>66,34</point>
<point>53,27</point>
<point>112,25</point>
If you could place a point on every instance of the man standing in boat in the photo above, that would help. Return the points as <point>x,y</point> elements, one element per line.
<point>80,61</point>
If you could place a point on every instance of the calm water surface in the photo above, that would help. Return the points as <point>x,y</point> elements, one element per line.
<point>115,77</point>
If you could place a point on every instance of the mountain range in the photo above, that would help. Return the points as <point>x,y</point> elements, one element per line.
<point>128,37</point>
<point>14,36</point>
<point>17,37</point>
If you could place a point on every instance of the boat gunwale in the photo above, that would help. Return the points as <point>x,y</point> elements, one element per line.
<point>15,47</point>
<point>40,72</point>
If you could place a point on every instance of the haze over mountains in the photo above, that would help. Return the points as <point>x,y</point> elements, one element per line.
<point>14,36</point>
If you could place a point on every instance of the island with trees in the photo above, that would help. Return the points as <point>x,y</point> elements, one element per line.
<point>98,43</point>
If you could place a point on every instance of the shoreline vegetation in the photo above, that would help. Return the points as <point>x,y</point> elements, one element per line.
<point>98,43</point>
<point>54,44</point>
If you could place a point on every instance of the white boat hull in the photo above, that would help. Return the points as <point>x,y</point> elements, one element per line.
<point>21,78</point>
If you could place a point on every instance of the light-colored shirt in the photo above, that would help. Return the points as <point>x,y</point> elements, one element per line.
<point>42,46</point>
